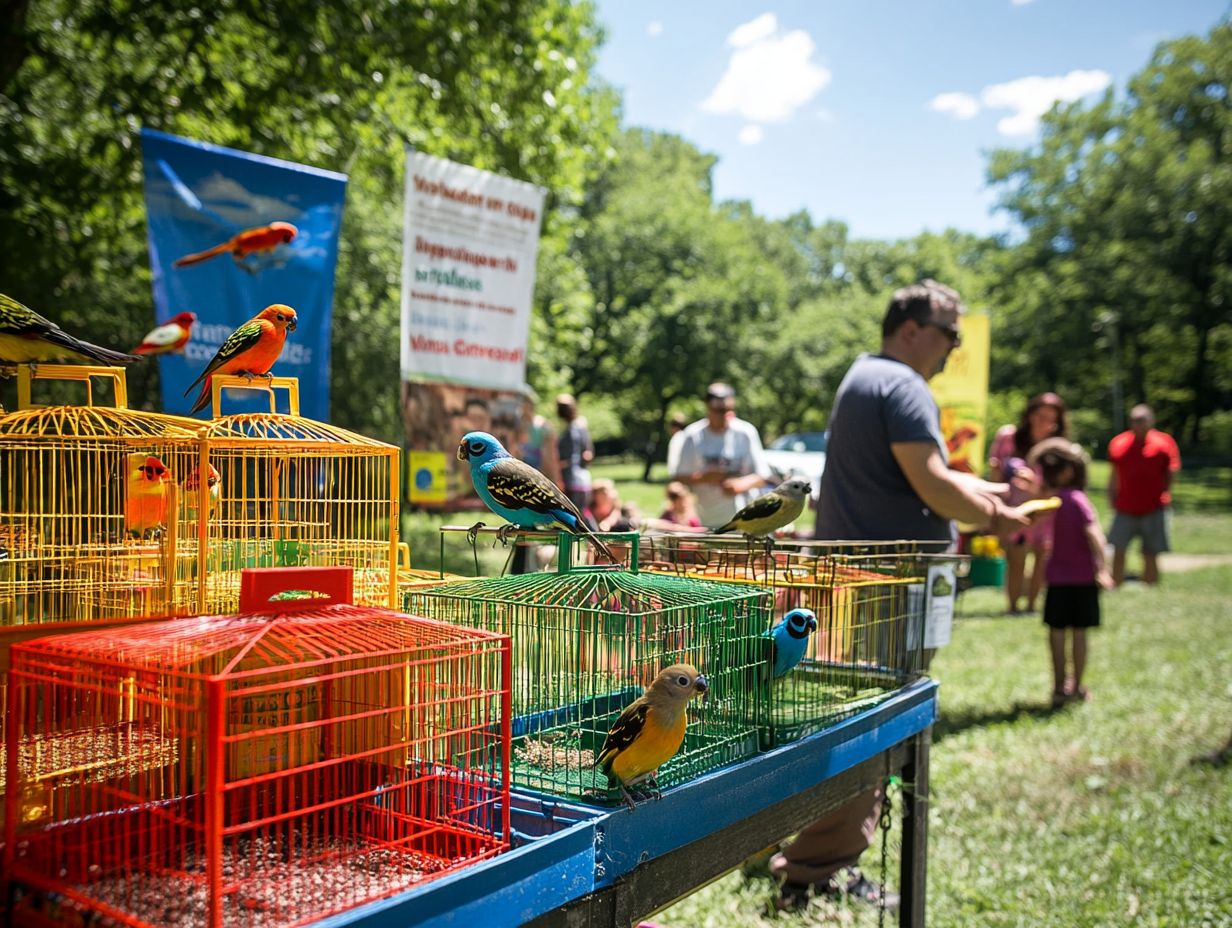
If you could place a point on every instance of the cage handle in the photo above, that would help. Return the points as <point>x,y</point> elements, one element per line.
<point>259,587</point>
<point>220,382</point>
<point>81,373</point>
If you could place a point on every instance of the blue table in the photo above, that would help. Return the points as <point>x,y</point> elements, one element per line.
<point>576,865</point>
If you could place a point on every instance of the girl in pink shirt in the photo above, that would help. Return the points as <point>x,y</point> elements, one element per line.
<point>1076,568</point>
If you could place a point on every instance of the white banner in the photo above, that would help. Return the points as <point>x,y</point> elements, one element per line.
<point>468,273</point>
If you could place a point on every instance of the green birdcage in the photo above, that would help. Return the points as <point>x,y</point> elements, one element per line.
<point>870,600</point>
<point>587,641</point>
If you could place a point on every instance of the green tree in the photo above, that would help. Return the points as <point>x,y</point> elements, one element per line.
<point>1123,276</point>
<point>502,84</point>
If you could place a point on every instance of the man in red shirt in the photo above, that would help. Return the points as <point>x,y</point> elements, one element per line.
<point>1143,462</point>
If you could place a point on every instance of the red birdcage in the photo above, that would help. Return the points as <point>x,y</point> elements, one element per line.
<point>266,769</point>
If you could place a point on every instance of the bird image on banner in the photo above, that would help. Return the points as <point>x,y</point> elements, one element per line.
<point>146,498</point>
<point>771,511</point>
<point>192,491</point>
<point>789,640</point>
<point>255,241</point>
<point>169,338</point>
<point>518,493</point>
<point>650,731</point>
<point>250,351</point>
<point>27,338</point>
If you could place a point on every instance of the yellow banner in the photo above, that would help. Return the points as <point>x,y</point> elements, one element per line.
<point>961,390</point>
<point>426,483</point>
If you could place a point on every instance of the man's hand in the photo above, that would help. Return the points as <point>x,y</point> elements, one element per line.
<point>1007,518</point>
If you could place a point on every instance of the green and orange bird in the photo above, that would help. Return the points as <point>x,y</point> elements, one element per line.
<point>27,338</point>
<point>250,351</point>
<point>249,242</point>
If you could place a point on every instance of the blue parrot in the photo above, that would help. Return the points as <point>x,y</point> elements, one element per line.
<point>517,492</point>
<point>789,639</point>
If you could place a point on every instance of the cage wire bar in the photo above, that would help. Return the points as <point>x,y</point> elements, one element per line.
<point>263,770</point>
<point>585,643</point>
<point>870,600</point>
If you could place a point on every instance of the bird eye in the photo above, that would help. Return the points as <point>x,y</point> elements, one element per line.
<point>282,318</point>
<point>147,470</point>
<point>683,681</point>
<point>476,447</point>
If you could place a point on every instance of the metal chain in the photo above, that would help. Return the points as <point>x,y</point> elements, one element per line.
<point>886,817</point>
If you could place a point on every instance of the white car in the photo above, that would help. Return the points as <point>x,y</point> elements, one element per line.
<point>800,453</point>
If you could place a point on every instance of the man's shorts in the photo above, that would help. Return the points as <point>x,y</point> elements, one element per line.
<point>1154,529</point>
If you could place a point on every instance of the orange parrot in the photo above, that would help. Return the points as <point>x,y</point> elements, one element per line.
<point>192,491</point>
<point>169,338</point>
<point>145,500</point>
<point>249,242</point>
<point>250,351</point>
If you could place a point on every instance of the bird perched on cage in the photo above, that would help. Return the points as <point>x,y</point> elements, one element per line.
<point>169,338</point>
<point>27,338</point>
<point>518,493</point>
<point>192,491</point>
<point>249,242</point>
<point>789,640</point>
<point>771,511</point>
<point>650,731</point>
<point>146,497</point>
<point>250,351</point>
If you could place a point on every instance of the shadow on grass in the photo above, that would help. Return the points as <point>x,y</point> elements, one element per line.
<point>953,723</point>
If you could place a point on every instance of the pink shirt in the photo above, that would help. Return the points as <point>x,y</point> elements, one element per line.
<point>1071,562</point>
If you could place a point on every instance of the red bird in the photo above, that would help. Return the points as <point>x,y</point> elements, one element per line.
<point>250,351</point>
<point>248,242</point>
<point>169,338</point>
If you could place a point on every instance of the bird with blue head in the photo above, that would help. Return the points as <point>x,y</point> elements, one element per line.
<point>789,640</point>
<point>518,493</point>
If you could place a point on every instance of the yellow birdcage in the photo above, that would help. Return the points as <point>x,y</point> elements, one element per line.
<point>87,502</point>
<point>285,491</point>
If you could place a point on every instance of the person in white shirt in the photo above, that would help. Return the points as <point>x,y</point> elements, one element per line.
<point>721,459</point>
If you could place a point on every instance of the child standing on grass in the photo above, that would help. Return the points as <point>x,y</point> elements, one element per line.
<point>1077,566</point>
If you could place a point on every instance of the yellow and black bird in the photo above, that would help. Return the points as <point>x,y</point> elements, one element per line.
<point>650,731</point>
<point>27,338</point>
<point>771,511</point>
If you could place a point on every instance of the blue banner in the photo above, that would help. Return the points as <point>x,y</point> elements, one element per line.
<point>230,233</point>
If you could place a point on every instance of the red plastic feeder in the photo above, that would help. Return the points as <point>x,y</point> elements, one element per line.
<point>265,769</point>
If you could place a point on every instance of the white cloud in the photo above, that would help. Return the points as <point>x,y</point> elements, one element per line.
<point>957,104</point>
<point>770,74</point>
<point>654,28</point>
<point>754,30</point>
<point>1031,97</point>
<point>1021,2</point>
<point>750,135</point>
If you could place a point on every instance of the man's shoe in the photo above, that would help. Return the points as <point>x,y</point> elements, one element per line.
<point>858,886</point>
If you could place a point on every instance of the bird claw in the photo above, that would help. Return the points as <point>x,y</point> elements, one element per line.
<point>628,798</point>
<point>472,533</point>
<point>503,533</point>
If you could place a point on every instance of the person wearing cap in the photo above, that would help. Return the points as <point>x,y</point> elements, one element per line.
<point>1143,461</point>
<point>721,459</point>
<point>887,479</point>
<point>575,450</point>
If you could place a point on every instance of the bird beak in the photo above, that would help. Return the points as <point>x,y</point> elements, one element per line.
<point>702,687</point>
<point>291,324</point>
<point>463,454</point>
<point>812,625</point>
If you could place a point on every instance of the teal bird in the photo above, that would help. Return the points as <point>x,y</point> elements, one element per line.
<point>771,511</point>
<point>518,493</point>
<point>789,640</point>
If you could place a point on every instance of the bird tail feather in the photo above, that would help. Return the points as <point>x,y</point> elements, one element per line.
<point>200,256</point>
<point>93,352</point>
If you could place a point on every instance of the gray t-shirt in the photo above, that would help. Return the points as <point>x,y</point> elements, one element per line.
<point>864,493</point>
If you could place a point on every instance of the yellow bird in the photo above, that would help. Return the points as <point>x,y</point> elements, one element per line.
<point>192,491</point>
<point>145,506</point>
<point>650,731</point>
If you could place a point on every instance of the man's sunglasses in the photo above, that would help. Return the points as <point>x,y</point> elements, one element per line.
<point>950,331</point>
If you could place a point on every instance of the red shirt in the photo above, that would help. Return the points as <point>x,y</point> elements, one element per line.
<point>1142,471</point>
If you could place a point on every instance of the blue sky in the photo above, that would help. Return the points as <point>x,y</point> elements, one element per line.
<point>875,112</point>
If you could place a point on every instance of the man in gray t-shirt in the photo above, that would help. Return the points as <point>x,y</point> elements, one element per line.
<point>864,493</point>
<point>886,478</point>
